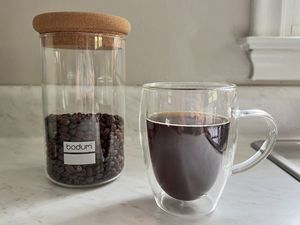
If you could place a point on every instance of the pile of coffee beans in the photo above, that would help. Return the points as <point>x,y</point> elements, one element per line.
<point>107,131</point>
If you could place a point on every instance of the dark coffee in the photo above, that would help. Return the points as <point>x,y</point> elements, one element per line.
<point>186,150</point>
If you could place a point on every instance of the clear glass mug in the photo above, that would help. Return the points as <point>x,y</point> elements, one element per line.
<point>188,133</point>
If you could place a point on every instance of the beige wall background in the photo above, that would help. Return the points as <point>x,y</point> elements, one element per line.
<point>192,40</point>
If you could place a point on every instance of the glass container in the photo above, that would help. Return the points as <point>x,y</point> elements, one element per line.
<point>189,134</point>
<point>83,96</point>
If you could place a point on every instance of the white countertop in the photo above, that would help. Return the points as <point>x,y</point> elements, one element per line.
<point>262,195</point>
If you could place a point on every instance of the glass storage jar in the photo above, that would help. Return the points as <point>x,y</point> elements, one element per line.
<point>83,96</point>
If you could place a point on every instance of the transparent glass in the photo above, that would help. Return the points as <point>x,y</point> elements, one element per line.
<point>188,133</point>
<point>84,107</point>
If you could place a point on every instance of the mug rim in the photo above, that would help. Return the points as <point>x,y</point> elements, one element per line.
<point>190,86</point>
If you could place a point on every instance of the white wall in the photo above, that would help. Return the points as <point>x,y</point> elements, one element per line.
<point>171,39</point>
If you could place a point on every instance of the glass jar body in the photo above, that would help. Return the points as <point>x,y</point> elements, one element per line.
<point>84,107</point>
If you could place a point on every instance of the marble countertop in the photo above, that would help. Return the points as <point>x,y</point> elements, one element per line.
<point>262,195</point>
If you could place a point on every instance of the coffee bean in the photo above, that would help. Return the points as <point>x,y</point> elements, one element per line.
<point>81,174</point>
<point>77,182</point>
<point>65,121</point>
<point>63,129</point>
<point>79,134</point>
<point>78,168</point>
<point>99,177</point>
<point>89,172</point>
<point>107,131</point>
<point>65,136</point>
<point>90,180</point>
<point>65,174</point>
<point>81,179</point>
<point>74,177</point>
<point>61,157</point>
<point>76,139</point>
<point>85,127</point>
<point>70,169</point>
<point>60,169</point>
<point>72,131</point>
<point>72,125</point>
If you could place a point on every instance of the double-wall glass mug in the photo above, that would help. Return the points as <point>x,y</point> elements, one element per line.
<point>188,133</point>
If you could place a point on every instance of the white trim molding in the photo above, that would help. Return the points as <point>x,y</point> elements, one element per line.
<point>272,48</point>
<point>273,58</point>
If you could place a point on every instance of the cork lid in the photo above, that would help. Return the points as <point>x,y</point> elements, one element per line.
<point>81,30</point>
<point>81,22</point>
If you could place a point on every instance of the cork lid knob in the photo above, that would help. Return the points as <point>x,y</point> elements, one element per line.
<point>80,22</point>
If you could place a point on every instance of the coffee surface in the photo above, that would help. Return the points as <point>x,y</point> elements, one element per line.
<point>186,150</point>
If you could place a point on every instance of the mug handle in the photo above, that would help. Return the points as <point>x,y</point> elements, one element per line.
<point>266,147</point>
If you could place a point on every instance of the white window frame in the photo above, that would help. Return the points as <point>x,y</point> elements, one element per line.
<point>272,17</point>
<point>286,24</point>
<point>273,51</point>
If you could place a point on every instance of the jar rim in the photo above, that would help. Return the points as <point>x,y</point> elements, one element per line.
<point>82,40</point>
<point>83,33</point>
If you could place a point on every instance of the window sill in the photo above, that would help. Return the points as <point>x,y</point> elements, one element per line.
<point>273,58</point>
